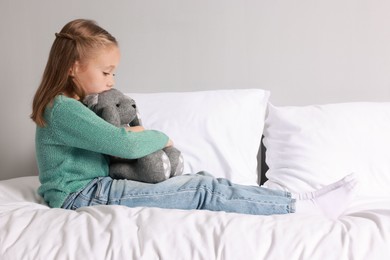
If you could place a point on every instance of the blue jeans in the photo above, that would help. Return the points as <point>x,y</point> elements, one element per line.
<point>190,191</point>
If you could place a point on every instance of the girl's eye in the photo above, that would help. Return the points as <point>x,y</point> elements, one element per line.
<point>106,73</point>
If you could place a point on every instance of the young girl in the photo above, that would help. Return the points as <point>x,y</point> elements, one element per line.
<point>72,143</point>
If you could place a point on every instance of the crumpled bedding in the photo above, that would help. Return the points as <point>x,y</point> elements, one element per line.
<point>29,229</point>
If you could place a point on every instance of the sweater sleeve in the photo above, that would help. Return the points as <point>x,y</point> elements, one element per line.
<point>78,126</point>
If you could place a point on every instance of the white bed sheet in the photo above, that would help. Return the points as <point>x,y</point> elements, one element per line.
<point>31,230</point>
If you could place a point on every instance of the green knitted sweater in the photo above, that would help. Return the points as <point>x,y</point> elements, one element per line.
<point>71,149</point>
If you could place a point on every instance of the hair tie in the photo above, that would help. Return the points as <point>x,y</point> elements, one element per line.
<point>64,36</point>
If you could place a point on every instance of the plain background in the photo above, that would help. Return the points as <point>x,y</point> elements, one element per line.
<point>304,52</point>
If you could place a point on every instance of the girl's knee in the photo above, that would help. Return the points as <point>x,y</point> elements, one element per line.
<point>203,173</point>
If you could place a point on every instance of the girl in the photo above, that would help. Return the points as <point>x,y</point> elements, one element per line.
<point>71,143</point>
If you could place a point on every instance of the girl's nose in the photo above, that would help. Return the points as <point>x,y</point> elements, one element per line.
<point>111,82</point>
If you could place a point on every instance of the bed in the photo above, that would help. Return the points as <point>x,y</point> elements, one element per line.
<point>304,148</point>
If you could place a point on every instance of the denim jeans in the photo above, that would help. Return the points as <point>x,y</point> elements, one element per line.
<point>189,191</point>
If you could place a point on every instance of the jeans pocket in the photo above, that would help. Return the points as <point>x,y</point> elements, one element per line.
<point>68,203</point>
<point>99,195</point>
<point>83,197</point>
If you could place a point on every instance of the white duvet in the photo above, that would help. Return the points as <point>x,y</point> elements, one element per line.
<point>31,230</point>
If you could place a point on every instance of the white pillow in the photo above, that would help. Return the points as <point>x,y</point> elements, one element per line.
<point>311,146</point>
<point>217,131</point>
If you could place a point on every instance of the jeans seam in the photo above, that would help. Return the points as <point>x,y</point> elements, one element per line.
<point>208,190</point>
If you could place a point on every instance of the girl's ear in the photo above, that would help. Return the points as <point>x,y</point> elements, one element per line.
<point>74,69</point>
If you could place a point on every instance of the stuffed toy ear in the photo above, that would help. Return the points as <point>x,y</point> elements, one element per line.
<point>111,115</point>
<point>91,101</point>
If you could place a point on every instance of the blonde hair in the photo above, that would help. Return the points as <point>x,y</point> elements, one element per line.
<point>78,40</point>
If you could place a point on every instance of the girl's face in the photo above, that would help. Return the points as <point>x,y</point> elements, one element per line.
<point>98,74</point>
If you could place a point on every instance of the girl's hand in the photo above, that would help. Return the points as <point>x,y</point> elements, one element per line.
<point>135,128</point>
<point>170,143</point>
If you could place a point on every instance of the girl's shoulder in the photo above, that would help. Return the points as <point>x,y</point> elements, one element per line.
<point>68,111</point>
<point>64,101</point>
<point>65,105</point>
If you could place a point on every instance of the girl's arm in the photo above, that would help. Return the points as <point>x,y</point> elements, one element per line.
<point>141,128</point>
<point>78,126</point>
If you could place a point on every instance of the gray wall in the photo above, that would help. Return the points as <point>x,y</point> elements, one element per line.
<point>304,51</point>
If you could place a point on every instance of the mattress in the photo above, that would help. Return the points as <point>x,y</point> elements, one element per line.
<point>29,229</point>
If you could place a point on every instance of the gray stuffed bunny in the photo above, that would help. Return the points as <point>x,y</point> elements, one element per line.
<point>121,111</point>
